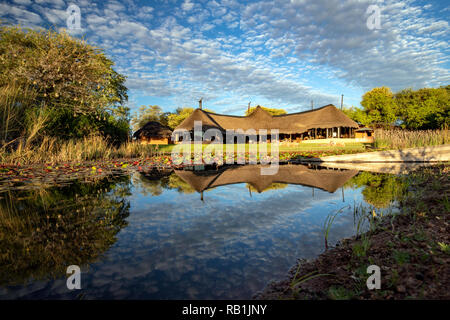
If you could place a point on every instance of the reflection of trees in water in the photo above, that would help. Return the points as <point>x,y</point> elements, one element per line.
<point>155,184</point>
<point>42,232</point>
<point>380,189</point>
<point>273,186</point>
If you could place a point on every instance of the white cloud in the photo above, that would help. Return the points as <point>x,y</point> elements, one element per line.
<point>190,51</point>
<point>334,34</point>
<point>187,5</point>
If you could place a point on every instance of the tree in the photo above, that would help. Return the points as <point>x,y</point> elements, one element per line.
<point>273,112</point>
<point>379,105</point>
<point>146,114</point>
<point>71,81</point>
<point>426,108</point>
<point>174,119</point>
<point>357,114</point>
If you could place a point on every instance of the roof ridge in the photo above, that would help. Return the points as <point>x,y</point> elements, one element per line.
<point>258,106</point>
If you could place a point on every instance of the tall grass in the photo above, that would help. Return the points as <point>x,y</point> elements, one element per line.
<point>14,100</point>
<point>22,139</point>
<point>399,139</point>
<point>53,150</point>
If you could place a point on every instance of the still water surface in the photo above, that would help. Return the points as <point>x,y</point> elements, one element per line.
<point>180,235</point>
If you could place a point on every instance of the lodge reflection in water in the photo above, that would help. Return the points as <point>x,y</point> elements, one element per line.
<point>326,179</point>
<point>379,189</point>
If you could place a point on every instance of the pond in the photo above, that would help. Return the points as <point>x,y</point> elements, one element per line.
<point>183,234</point>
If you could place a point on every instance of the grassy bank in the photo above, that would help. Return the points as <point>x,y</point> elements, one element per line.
<point>411,248</point>
<point>53,150</point>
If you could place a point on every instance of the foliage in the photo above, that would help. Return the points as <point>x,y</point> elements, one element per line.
<point>426,108</point>
<point>174,119</point>
<point>380,190</point>
<point>379,106</point>
<point>155,186</point>
<point>71,82</point>
<point>41,231</point>
<point>358,115</point>
<point>146,114</point>
<point>272,111</point>
<point>273,186</point>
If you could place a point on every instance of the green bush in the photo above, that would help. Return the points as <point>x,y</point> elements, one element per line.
<point>68,82</point>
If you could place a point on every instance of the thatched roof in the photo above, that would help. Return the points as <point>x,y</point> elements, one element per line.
<point>153,129</point>
<point>328,180</point>
<point>364,129</point>
<point>326,117</point>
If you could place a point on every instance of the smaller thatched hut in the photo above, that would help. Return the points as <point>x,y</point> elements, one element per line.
<point>364,135</point>
<point>154,132</point>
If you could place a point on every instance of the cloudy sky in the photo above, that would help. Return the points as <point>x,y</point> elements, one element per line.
<point>281,53</point>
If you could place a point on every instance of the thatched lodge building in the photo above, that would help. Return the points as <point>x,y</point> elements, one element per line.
<point>326,179</point>
<point>154,132</point>
<point>322,123</point>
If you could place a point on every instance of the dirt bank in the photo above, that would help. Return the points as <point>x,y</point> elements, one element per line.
<point>412,249</point>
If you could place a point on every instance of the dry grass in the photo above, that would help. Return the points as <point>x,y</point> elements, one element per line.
<point>400,139</point>
<point>52,150</point>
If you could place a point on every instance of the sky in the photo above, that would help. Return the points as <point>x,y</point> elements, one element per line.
<point>279,54</point>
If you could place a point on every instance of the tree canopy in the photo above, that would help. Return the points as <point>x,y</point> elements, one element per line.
<point>379,105</point>
<point>427,108</point>
<point>73,82</point>
<point>146,114</point>
<point>174,119</point>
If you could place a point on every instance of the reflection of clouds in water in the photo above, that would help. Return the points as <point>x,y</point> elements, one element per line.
<point>228,246</point>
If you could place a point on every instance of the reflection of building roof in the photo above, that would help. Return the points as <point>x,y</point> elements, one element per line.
<point>326,117</point>
<point>326,179</point>
<point>153,129</point>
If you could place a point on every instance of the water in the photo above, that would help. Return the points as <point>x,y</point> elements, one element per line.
<point>180,235</point>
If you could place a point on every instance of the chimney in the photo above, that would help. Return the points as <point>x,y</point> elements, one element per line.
<point>200,103</point>
<point>312,105</point>
<point>342,101</point>
<point>248,109</point>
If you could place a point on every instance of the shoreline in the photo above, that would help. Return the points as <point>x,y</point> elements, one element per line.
<point>47,174</point>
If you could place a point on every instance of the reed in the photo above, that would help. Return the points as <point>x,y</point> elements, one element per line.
<point>54,150</point>
<point>400,139</point>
